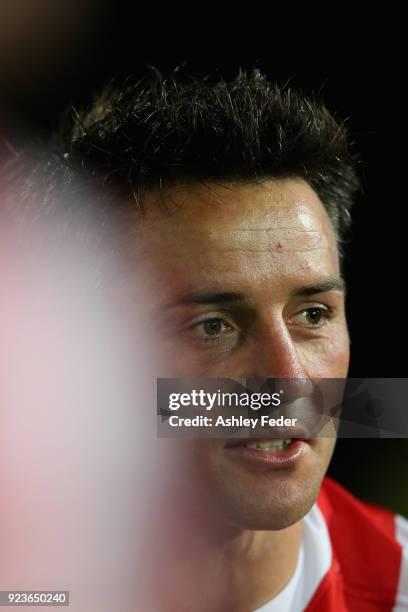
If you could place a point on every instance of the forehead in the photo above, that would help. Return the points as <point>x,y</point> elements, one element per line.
<point>259,231</point>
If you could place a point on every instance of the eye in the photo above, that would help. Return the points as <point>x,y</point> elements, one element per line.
<point>315,316</point>
<point>213,327</point>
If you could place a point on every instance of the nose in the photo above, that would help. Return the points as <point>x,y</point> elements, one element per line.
<point>277,357</point>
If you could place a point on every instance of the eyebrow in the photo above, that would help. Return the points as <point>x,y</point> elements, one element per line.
<point>217,297</point>
<point>213,298</point>
<point>330,284</point>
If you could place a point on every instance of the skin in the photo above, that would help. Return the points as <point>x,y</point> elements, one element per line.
<point>271,247</point>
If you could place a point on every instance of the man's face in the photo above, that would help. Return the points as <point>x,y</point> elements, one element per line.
<point>243,281</point>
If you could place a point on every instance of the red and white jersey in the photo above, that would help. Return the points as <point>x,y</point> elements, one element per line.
<point>353,557</point>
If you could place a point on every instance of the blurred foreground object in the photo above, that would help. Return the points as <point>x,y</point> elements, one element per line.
<point>75,432</point>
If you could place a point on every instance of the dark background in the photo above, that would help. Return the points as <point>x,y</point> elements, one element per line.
<point>53,54</point>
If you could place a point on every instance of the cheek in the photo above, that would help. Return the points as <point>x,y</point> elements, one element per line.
<point>187,364</point>
<point>326,359</point>
<point>324,448</point>
<point>329,358</point>
<point>177,362</point>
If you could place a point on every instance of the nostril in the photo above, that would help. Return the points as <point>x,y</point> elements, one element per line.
<point>295,388</point>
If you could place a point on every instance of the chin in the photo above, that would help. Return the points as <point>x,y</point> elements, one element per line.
<point>287,503</point>
<point>246,496</point>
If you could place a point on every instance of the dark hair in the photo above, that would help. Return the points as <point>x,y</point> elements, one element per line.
<point>156,133</point>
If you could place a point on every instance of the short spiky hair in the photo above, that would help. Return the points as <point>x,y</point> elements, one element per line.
<point>155,133</point>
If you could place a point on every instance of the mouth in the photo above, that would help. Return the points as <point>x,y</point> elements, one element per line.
<point>268,444</point>
<point>270,453</point>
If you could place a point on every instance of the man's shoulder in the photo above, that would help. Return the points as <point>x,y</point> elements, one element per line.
<point>369,549</point>
<point>342,510</point>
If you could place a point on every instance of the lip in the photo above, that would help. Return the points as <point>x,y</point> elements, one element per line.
<point>273,460</point>
<point>295,433</point>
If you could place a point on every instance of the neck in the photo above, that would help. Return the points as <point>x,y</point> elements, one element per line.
<point>201,564</point>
